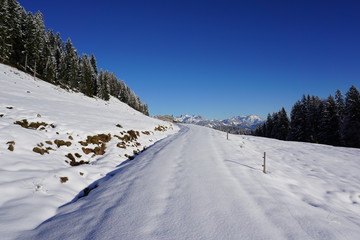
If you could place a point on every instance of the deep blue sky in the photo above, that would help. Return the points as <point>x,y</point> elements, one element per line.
<point>216,58</point>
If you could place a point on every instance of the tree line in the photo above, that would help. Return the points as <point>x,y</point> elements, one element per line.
<point>25,43</point>
<point>334,121</point>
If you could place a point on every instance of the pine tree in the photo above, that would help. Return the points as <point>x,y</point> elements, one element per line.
<point>25,43</point>
<point>330,123</point>
<point>87,76</point>
<point>69,68</point>
<point>5,36</point>
<point>50,71</point>
<point>297,122</point>
<point>31,50</point>
<point>16,23</point>
<point>40,41</point>
<point>93,63</point>
<point>103,92</point>
<point>340,102</point>
<point>283,127</point>
<point>350,129</point>
<point>94,78</point>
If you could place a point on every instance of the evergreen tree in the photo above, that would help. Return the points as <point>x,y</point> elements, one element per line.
<point>87,76</point>
<point>276,126</point>
<point>297,122</point>
<point>283,125</point>
<point>40,41</point>
<point>50,71</point>
<point>31,51</point>
<point>69,68</point>
<point>25,43</point>
<point>330,123</point>
<point>93,63</point>
<point>5,36</point>
<point>103,86</point>
<point>269,126</point>
<point>16,23</point>
<point>350,128</point>
<point>340,102</point>
<point>94,78</point>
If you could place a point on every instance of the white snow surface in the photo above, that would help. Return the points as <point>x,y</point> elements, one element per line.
<point>30,187</point>
<point>194,184</point>
<point>198,185</point>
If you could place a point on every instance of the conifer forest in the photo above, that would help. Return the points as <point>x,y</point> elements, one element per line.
<point>28,45</point>
<point>333,121</point>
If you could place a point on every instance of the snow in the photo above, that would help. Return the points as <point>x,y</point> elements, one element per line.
<point>198,185</point>
<point>30,186</point>
<point>194,184</point>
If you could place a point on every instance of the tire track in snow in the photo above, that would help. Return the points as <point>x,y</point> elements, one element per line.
<point>166,186</point>
<point>187,186</point>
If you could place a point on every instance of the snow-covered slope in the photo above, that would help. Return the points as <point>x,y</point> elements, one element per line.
<point>198,185</point>
<point>62,127</point>
<point>245,122</point>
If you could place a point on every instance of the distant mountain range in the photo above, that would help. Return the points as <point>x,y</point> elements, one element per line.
<point>233,124</point>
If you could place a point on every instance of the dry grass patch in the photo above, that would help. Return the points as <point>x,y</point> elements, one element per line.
<point>98,139</point>
<point>64,179</point>
<point>87,150</point>
<point>60,143</point>
<point>40,150</point>
<point>128,136</point>
<point>11,145</point>
<point>121,145</point>
<point>73,161</point>
<point>82,143</point>
<point>33,125</point>
<point>161,128</point>
<point>100,150</point>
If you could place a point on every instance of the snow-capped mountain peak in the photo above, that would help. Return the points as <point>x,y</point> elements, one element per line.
<point>189,118</point>
<point>246,122</point>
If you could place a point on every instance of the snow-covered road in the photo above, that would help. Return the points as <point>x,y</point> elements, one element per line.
<point>198,185</point>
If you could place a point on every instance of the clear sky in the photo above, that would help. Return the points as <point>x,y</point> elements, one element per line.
<point>219,58</point>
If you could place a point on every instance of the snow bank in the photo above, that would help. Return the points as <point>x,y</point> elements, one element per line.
<point>33,186</point>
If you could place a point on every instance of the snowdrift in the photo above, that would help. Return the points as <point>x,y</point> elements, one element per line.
<point>55,142</point>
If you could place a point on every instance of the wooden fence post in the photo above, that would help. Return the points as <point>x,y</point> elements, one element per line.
<point>264,169</point>
<point>35,71</point>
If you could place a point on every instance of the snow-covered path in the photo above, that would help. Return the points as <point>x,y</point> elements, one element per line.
<point>197,185</point>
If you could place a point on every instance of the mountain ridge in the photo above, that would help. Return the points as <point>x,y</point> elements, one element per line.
<point>246,122</point>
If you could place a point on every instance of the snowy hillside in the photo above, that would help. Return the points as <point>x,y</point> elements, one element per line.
<point>198,185</point>
<point>64,175</point>
<point>246,122</point>
<point>54,143</point>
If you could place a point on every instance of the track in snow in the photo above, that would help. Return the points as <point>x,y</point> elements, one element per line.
<point>188,186</point>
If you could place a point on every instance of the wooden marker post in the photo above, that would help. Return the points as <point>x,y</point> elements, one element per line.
<point>227,136</point>
<point>35,71</point>
<point>264,169</point>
